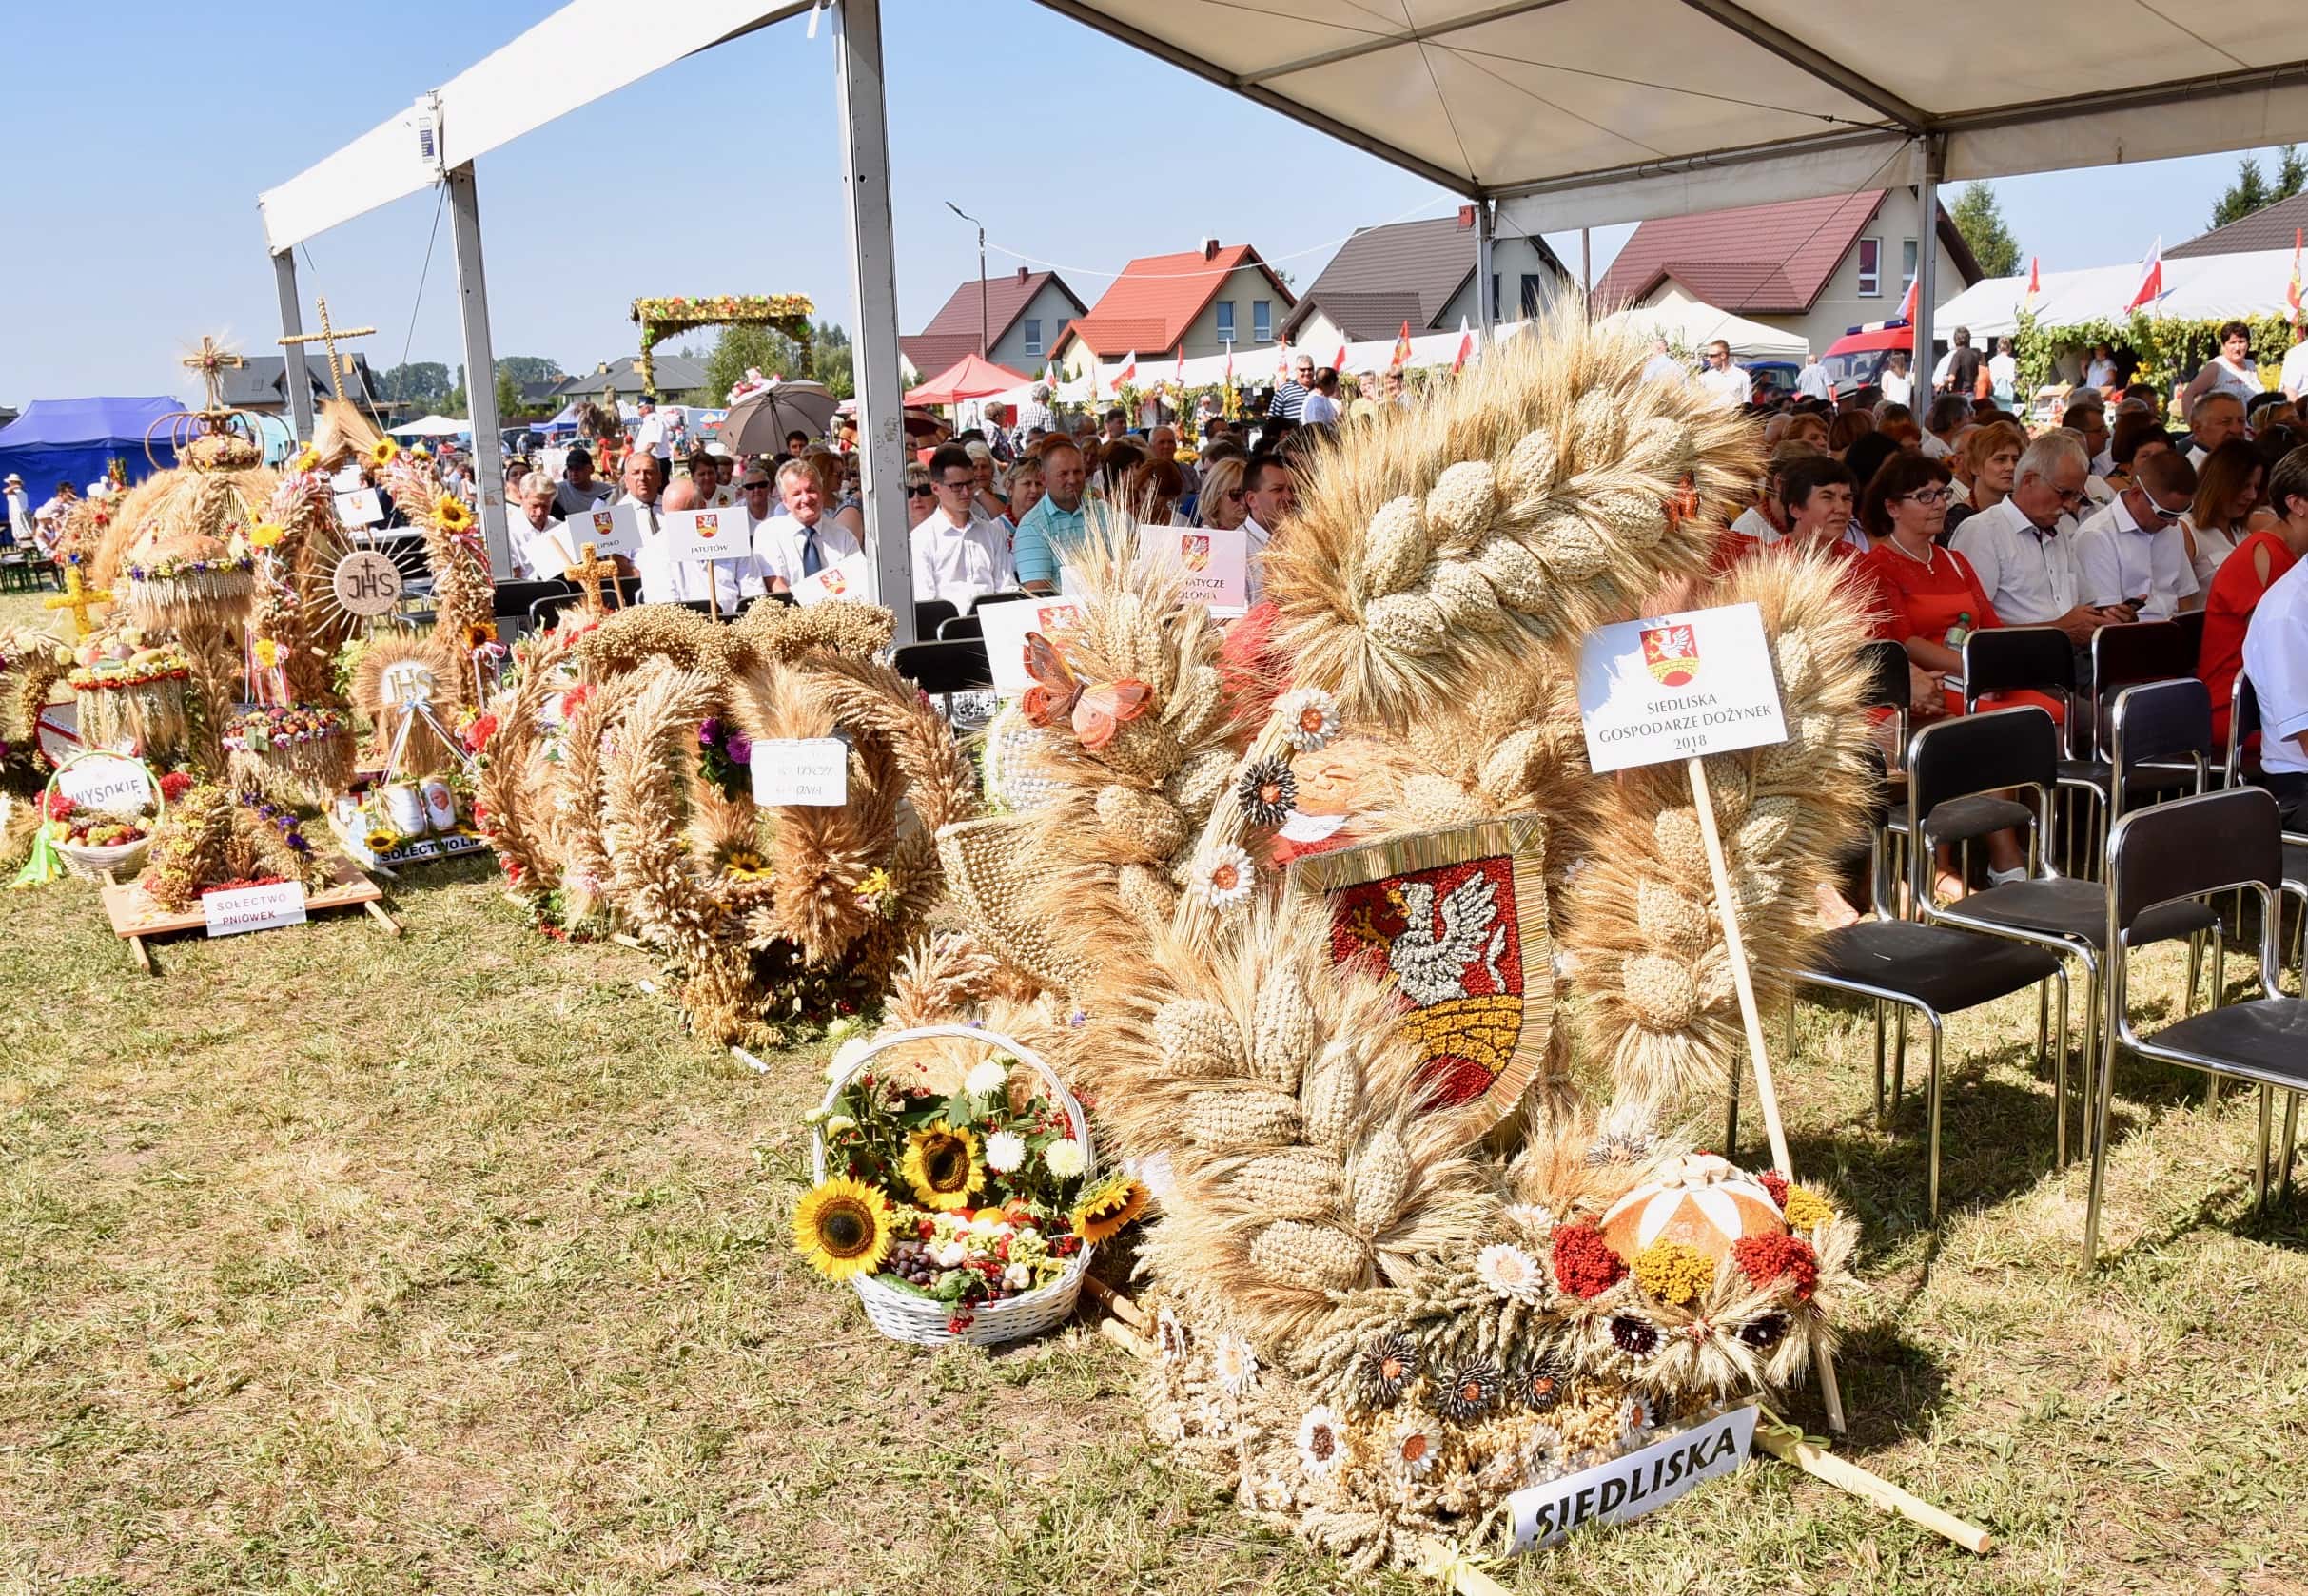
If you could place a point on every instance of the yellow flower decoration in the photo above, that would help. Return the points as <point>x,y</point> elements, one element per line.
<point>383,452</point>
<point>383,842</point>
<point>943,1167</point>
<point>1673,1272</point>
<point>745,864</point>
<point>842,1228</point>
<point>265,533</point>
<point>269,653</point>
<point>1109,1205</point>
<point>450,514</point>
<point>421,453</point>
<point>1807,1210</point>
<point>308,458</point>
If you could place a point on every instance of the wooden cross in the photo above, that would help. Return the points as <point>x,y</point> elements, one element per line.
<point>78,599</point>
<point>590,574</point>
<point>211,359</point>
<point>327,335</point>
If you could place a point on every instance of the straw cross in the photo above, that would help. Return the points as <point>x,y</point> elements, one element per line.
<point>78,599</point>
<point>590,574</point>
<point>211,359</point>
<point>328,336</point>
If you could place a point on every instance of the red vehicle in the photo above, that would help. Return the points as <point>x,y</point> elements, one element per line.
<point>1856,359</point>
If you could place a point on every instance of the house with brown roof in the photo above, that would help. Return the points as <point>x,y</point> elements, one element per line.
<point>1423,273</point>
<point>1206,299</point>
<point>1815,268</point>
<point>2270,228</point>
<point>1024,312</point>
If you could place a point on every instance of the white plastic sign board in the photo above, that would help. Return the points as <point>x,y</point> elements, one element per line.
<point>612,529</point>
<point>360,508</point>
<point>254,909</point>
<point>1678,687</point>
<point>1215,563</point>
<point>544,553</point>
<point>707,535</point>
<point>347,481</point>
<point>844,578</point>
<point>812,771</point>
<point>1005,626</point>
<point>1634,1483</point>
<point>103,781</point>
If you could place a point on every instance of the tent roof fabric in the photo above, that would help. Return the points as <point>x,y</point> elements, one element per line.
<point>1690,324</point>
<point>87,421</point>
<point>953,331</point>
<point>2270,228</point>
<point>1148,308</point>
<point>1402,271</point>
<point>1770,260</point>
<point>967,378</point>
<point>2199,288</point>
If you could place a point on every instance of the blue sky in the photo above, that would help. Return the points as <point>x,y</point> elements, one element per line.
<point>717,175</point>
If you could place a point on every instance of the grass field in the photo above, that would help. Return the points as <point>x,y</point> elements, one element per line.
<point>333,1263</point>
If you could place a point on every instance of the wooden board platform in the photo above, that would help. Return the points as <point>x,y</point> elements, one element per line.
<point>135,915</point>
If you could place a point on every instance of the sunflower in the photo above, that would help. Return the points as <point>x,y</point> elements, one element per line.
<point>265,533</point>
<point>1112,1203</point>
<point>383,842</point>
<point>450,514</point>
<point>942,1166</point>
<point>308,459</point>
<point>745,864</point>
<point>843,1228</point>
<point>383,452</point>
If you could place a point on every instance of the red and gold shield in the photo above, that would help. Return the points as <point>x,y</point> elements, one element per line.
<point>1455,923</point>
<point>1672,653</point>
<point>1194,550</point>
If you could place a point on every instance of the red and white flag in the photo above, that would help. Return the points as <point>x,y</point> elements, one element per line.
<point>1466,346</point>
<point>1128,370</point>
<point>1281,362</point>
<point>1177,373</point>
<point>2035,285</point>
<point>2291,293</point>
<point>2151,278</point>
<point>1229,365</point>
<point>1907,307</point>
<point>1403,349</point>
<point>1338,362</point>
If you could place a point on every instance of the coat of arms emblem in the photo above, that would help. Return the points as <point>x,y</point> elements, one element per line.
<point>1672,653</point>
<point>1194,550</point>
<point>1456,922</point>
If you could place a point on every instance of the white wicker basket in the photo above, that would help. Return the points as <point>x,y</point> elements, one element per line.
<point>905,1317</point>
<point>117,859</point>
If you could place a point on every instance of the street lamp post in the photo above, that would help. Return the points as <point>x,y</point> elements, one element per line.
<point>984,353</point>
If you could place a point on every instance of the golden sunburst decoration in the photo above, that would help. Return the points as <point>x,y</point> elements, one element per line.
<point>842,1228</point>
<point>943,1167</point>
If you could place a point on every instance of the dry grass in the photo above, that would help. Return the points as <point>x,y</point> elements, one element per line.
<point>331,1263</point>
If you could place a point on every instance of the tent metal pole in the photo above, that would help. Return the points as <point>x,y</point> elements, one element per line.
<point>481,368</point>
<point>1926,263</point>
<point>881,417</point>
<point>1486,278</point>
<point>296,379</point>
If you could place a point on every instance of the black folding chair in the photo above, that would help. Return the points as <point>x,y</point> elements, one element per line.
<point>515,597</point>
<point>2244,722</point>
<point>985,598</point>
<point>2017,749</point>
<point>545,610</point>
<point>2125,655</point>
<point>931,613</point>
<point>943,669</point>
<point>2162,858</point>
<point>960,627</point>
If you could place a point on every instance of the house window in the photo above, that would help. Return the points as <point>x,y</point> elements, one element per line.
<point>1533,293</point>
<point>1033,335</point>
<point>1870,268</point>
<point>1906,264</point>
<point>1262,320</point>
<point>1226,320</point>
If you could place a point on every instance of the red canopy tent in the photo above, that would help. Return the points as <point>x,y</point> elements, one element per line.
<point>967,378</point>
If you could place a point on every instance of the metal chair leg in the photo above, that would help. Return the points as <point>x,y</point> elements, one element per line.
<point>1899,1060</point>
<point>1883,1119</point>
<point>2292,1123</point>
<point>2058,1078</point>
<point>1933,1179</point>
<point>2260,1164</point>
<point>2187,999</point>
<point>2098,1093</point>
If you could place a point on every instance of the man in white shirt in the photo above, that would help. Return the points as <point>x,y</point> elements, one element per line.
<point>2089,422</point>
<point>533,533</point>
<point>1811,379</point>
<point>666,580</point>
<point>2133,551</point>
<point>651,435</point>
<point>1271,494</point>
<point>1729,385</point>
<point>2214,419</point>
<point>1662,366</point>
<point>19,512</point>
<point>1897,382</point>
<point>801,541</point>
<point>958,554</point>
<point>2023,548</point>
<point>2275,660</point>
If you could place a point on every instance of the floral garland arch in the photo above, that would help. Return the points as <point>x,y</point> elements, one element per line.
<point>659,319</point>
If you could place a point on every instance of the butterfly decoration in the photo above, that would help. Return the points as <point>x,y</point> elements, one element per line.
<point>1099,708</point>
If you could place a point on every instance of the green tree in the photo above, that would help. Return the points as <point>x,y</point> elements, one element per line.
<point>530,368</point>
<point>768,351</point>
<point>831,361</point>
<point>1980,217</point>
<point>424,382</point>
<point>2251,191</point>
<point>508,396</point>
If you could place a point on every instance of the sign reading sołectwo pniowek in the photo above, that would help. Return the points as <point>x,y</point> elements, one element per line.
<point>1634,1483</point>
<point>1678,687</point>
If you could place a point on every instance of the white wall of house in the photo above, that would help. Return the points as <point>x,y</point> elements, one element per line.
<point>1044,314</point>
<point>1842,304</point>
<point>1245,290</point>
<point>1516,262</point>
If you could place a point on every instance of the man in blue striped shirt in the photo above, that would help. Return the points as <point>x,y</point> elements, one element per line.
<point>1052,530</point>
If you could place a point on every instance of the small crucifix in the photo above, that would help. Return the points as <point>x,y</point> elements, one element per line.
<point>328,336</point>
<point>78,599</point>
<point>589,573</point>
<point>211,359</point>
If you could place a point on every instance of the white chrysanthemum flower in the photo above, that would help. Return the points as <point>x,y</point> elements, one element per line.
<point>838,1124</point>
<point>1235,1365</point>
<point>1310,718</point>
<point>1510,1271</point>
<point>1413,1446</point>
<point>1635,1422</point>
<point>1534,1220</point>
<point>1004,1152</point>
<point>1222,876</point>
<point>1066,1158</point>
<point>985,1079</point>
<point>1321,1446</point>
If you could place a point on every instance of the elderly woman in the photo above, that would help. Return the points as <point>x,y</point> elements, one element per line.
<point>1151,492</point>
<point>535,528</point>
<point>1026,487</point>
<point>988,497</point>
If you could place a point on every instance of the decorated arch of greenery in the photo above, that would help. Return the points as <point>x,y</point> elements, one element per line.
<point>2166,345</point>
<point>660,319</point>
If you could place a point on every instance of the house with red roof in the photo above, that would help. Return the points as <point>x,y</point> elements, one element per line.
<point>1421,273</point>
<point>1815,268</point>
<point>1205,299</point>
<point>1023,315</point>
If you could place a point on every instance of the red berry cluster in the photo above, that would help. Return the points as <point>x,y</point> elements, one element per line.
<point>1765,1258</point>
<point>1775,1183</point>
<point>1584,1264</point>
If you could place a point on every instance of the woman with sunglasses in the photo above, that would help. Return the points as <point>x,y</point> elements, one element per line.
<point>920,498</point>
<point>1222,504</point>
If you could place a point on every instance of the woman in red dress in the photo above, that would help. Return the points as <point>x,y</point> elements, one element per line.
<point>2248,572</point>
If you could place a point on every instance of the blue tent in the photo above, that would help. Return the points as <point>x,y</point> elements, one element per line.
<point>76,441</point>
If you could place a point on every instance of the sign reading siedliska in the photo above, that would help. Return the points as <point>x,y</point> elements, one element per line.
<point>1633,1484</point>
<point>1678,687</point>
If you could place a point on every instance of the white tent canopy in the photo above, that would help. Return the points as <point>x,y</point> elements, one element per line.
<point>2196,289</point>
<point>433,426</point>
<point>1689,325</point>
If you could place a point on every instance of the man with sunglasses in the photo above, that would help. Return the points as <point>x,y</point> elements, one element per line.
<point>958,554</point>
<point>1289,400</point>
<point>2134,548</point>
<point>1728,384</point>
<point>2024,548</point>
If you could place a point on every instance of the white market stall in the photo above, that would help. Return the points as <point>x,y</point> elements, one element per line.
<point>2196,289</point>
<point>1690,324</point>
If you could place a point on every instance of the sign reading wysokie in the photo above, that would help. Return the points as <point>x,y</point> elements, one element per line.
<point>1678,687</point>
<point>1632,1484</point>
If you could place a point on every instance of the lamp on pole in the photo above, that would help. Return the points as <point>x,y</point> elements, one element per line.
<point>984,353</point>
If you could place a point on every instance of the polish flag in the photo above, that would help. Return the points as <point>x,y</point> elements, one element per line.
<point>2291,293</point>
<point>1281,362</point>
<point>1907,307</point>
<point>2151,278</point>
<point>1338,362</point>
<point>1128,373</point>
<point>1466,346</point>
<point>2035,285</point>
<point>1403,349</point>
<point>1177,373</point>
<point>1229,365</point>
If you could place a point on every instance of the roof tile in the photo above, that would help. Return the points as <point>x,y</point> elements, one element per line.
<point>1148,308</point>
<point>953,331</point>
<point>2270,228</point>
<point>1769,259</point>
<point>1404,271</point>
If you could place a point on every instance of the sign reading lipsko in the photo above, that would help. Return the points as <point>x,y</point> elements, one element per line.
<point>1634,1483</point>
